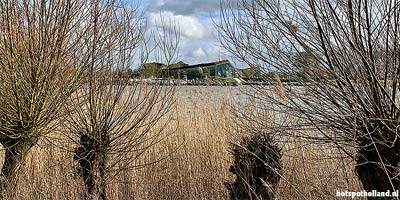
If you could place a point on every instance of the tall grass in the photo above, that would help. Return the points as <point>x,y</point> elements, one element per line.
<point>192,162</point>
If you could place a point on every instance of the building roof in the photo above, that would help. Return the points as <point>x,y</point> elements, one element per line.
<point>200,65</point>
<point>221,62</point>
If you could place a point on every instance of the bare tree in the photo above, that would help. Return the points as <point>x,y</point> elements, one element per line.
<point>111,119</point>
<point>42,60</point>
<point>348,54</point>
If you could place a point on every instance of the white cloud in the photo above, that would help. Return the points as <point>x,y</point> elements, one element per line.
<point>198,42</point>
<point>199,53</point>
<point>215,50</point>
<point>187,7</point>
<point>189,26</point>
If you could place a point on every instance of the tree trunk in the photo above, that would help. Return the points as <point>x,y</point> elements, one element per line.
<point>102,177</point>
<point>92,167</point>
<point>85,155</point>
<point>16,151</point>
<point>371,171</point>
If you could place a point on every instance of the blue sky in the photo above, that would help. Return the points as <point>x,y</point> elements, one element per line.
<point>198,42</point>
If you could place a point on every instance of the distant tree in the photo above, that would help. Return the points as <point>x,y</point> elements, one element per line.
<point>148,70</point>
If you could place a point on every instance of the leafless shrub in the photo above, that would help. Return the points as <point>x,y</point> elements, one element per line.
<point>345,56</point>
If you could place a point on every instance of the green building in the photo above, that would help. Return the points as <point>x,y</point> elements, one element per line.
<point>219,69</point>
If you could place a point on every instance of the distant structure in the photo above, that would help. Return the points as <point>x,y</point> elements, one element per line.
<point>212,70</point>
<point>219,72</point>
<point>216,73</point>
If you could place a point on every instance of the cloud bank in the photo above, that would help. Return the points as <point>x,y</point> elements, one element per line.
<point>193,18</point>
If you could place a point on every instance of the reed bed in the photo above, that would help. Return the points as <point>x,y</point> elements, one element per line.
<point>192,162</point>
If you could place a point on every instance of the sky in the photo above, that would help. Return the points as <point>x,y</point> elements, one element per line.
<point>198,42</point>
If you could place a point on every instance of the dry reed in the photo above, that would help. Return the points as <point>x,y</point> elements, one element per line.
<point>191,163</point>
